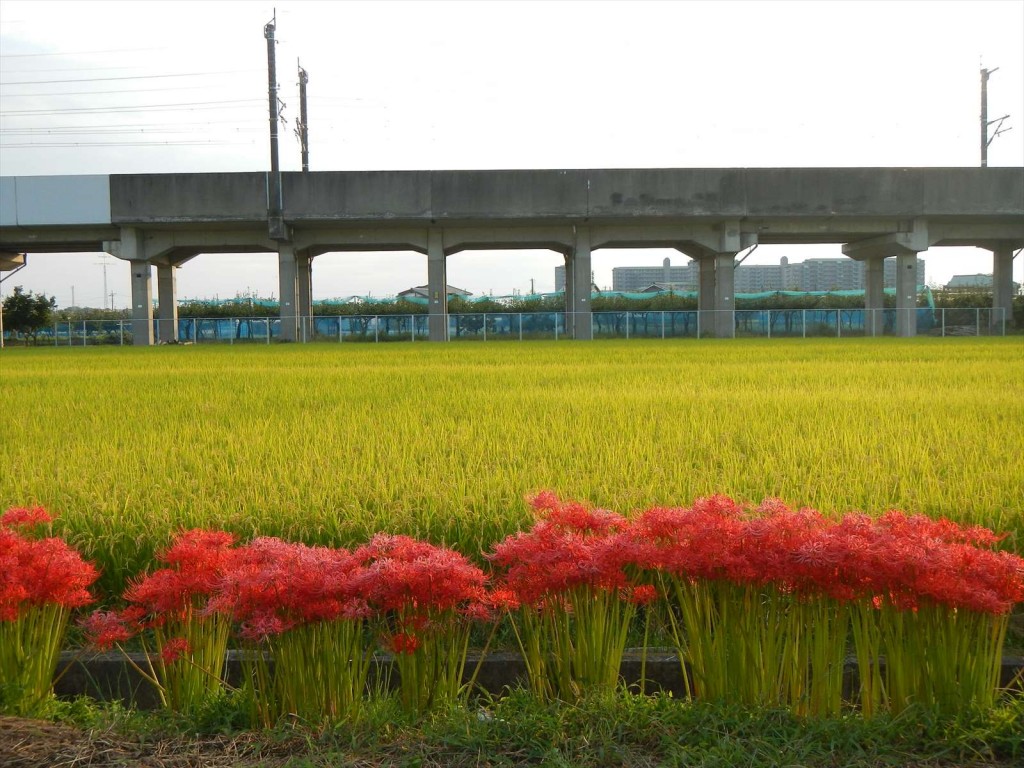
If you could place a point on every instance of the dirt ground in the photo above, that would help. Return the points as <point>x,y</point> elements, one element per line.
<point>41,744</point>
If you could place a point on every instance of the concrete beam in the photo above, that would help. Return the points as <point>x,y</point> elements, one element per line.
<point>10,260</point>
<point>319,240</point>
<point>167,306</point>
<point>558,238</point>
<point>914,238</point>
<point>437,287</point>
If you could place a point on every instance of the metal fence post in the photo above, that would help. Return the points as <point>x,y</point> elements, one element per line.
<point>803,322</point>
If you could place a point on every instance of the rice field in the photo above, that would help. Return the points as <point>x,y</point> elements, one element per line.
<point>332,443</point>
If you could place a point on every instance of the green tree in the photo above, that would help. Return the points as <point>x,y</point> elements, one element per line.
<point>27,313</point>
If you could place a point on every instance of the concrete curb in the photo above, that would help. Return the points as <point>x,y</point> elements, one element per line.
<point>110,677</point>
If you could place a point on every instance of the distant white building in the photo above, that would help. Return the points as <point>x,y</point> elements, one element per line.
<point>422,292</point>
<point>811,275</point>
<point>974,282</point>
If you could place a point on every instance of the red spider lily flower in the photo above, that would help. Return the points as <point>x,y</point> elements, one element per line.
<point>174,649</point>
<point>105,629</point>
<point>25,517</point>
<point>403,643</point>
<point>643,594</point>
<point>198,562</point>
<point>570,546</point>
<point>415,577</point>
<point>36,572</point>
<point>274,585</point>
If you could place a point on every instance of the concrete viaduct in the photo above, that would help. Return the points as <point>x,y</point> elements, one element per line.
<point>708,214</point>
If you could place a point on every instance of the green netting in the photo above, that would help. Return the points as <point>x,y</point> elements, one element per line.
<point>922,290</point>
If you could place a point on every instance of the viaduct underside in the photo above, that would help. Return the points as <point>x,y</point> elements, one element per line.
<point>164,220</point>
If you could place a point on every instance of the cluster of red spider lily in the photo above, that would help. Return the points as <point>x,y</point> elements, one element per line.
<point>42,580</point>
<point>270,586</point>
<point>38,571</point>
<point>570,546</point>
<point>575,577</point>
<point>896,559</point>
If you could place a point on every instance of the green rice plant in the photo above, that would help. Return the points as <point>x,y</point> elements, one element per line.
<point>330,444</point>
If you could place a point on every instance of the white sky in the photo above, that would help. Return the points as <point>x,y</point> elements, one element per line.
<point>182,86</point>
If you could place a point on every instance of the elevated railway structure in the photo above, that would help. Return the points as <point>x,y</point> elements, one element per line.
<point>709,214</point>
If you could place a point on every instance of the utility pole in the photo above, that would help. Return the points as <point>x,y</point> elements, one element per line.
<point>104,263</point>
<point>985,122</point>
<point>303,127</point>
<point>275,207</point>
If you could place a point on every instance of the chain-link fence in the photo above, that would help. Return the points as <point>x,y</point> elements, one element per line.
<point>523,326</point>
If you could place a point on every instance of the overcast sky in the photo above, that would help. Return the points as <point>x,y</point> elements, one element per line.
<point>160,87</point>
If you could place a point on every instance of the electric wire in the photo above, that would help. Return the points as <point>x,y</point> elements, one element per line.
<point>128,77</point>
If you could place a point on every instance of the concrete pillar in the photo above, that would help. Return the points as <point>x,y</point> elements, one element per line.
<point>142,302</point>
<point>725,295</point>
<point>131,248</point>
<point>582,282</point>
<point>874,296</point>
<point>570,288</point>
<point>304,279</point>
<point>906,294</point>
<point>706,296</point>
<point>166,288</point>
<point>437,286</point>
<point>1002,286</point>
<point>288,280</point>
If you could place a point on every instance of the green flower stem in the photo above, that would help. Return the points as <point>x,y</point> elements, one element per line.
<point>29,649</point>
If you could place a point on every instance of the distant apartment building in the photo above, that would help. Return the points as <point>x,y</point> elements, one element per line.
<point>810,275</point>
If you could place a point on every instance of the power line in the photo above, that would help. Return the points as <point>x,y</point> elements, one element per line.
<point>81,53</point>
<point>122,125</point>
<point>139,108</point>
<point>101,130</point>
<point>128,77</point>
<point>49,145</point>
<point>97,93</point>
